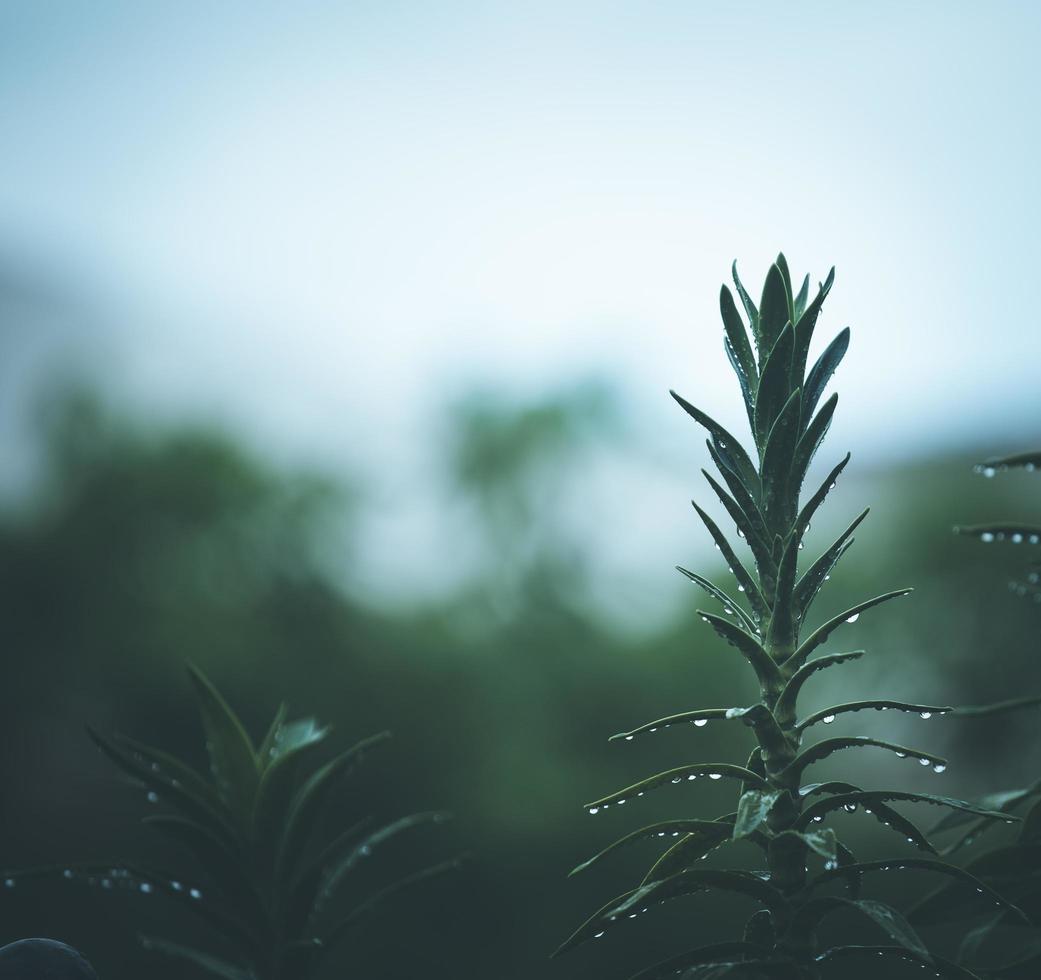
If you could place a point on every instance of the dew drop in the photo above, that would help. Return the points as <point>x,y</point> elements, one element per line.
<point>939,767</point>
<point>700,722</point>
<point>9,883</point>
<point>828,719</point>
<point>67,873</point>
<point>740,588</point>
<point>194,893</point>
<point>715,775</point>
<point>987,537</point>
<point>926,715</point>
<point>1017,538</point>
<point>923,762</point>
<point>146,888</point>
<point>152,797</point>
<point>594,809</point>
<point>901,755</point>
<point>853,618</point>
<point>598,935</point>
<point>628,738</point>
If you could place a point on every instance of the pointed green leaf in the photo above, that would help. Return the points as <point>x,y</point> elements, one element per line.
<point>774,386</point>
<point>210,964</point>
<point>774,311</point>
<point>777,463</point>
<point>884,916</point>
<point>805,325</point>
<point>822,371</point>
<point>710,831</point>
<point>729,606</point>
<point>828,715</point>
<point>735,451</point>
<point>308,801</point>
<point>685,853</point>
<point>683,774</point>
<point>801,298</point>
<point>811,505</point>
<point>750,309</point>
<point>335,873</point>
<point>765,669</point>
<point>821,750</point>
<point>941,967</point>
<point>346,925</point>
<point>789,696</point>
<point>700,718</point>
<point>232,759</point>
<point>738,336</point>
<point>745,581</point>
<point>810,442</point>
<point>812,579</point>
<point>668,969</point>
<point>168,778</point>
<point>924,864</point>
<point>821,634</point>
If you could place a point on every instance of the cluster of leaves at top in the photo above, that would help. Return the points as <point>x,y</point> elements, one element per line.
<point>271,892</point>
<point>777,811</point>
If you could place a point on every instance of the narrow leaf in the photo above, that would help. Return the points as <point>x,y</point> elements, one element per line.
<point>683,774</point>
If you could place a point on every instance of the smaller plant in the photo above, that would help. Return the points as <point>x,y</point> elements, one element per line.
<point>272,892</point>
<point>998,944</point>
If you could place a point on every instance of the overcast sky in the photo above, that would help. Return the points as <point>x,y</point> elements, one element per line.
<point>318,220</point>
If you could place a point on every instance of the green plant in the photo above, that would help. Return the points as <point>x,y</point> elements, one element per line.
<point>272,892</point>
<point>997,944</point>
<point>776,810</point>
<point>1011,531</point>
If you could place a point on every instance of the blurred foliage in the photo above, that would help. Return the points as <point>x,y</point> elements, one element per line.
<point>141,548</point>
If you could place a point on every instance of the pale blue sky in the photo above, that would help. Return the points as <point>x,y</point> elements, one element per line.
<point>318,220</point>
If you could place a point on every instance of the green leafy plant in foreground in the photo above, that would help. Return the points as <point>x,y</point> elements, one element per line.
<point>784,816</point>
<point>271,891</point>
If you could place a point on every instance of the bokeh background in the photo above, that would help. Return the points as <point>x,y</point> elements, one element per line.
<point>334,348</point>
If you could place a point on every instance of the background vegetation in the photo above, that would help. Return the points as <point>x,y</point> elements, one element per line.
<point>142,547</point>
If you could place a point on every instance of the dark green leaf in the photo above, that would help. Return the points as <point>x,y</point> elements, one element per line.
<point>308,801</point>
<point>721,596</point>
<point>204,961</point>
<point>703,715</point>
<point>744,580</point>
<point>232,759</point>
<point>827,746</point>
<point>941,967</point>
<point>884,916</point>
<point>822,372</point>
<point>168,778</point>
<point>811,580</point>
<point>336,872</point>
<point>810,442</point>
<point>777,462</point>
<point>827,714</point>
<point>821,634</point>
<point>774,311</point>
<point>787,701</point>
<point>668,969</point>
<point>683,774</point>
<point>805,325</point>
<point>766,670</point>
<point>774,386</point>
<point>924,864</point>
<point>750,310</point>
<point>710,831</point>
<point>735,451</point>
